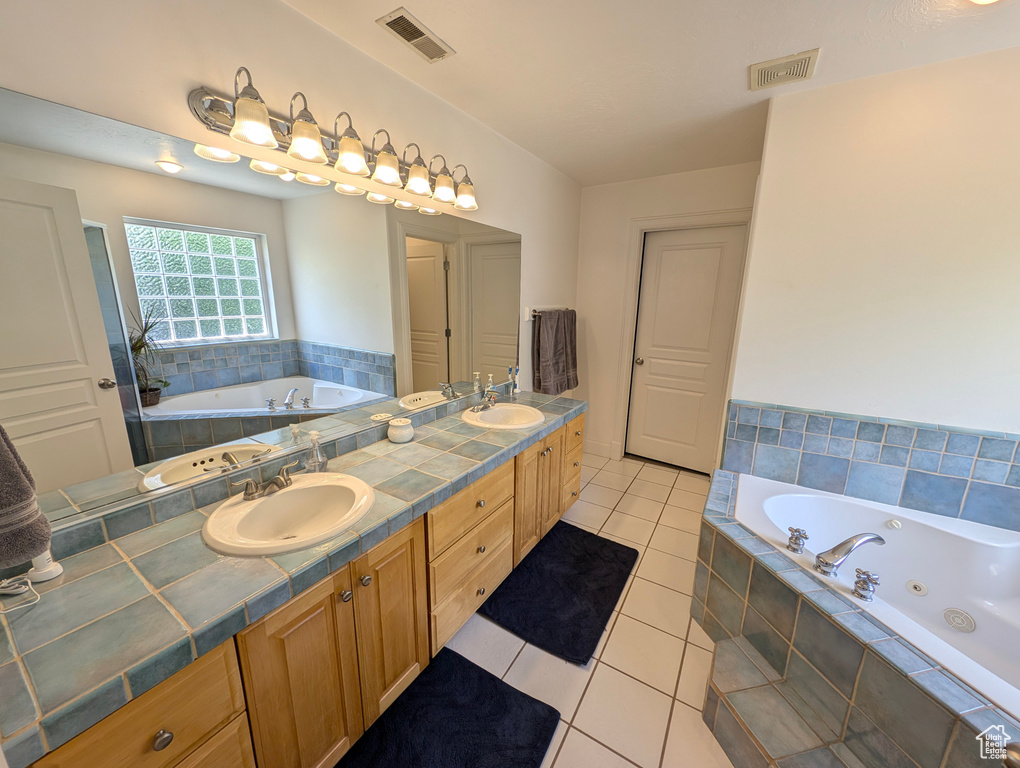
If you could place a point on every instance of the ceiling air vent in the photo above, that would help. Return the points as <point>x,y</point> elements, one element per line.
<point>789,69</point>
<point>417,35</point>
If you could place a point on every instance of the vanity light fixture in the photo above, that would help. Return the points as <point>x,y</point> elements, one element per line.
<point>288,176</point>
<point>375,197</point>
<point>465,192</point>
<point>404,205</point>
<point>305,139</point>
<point>169,166</point>
<point>444,192</point>
<point>312,179</point>
<point>418,182</point>
<point>216,154</point>
<point>270,169</point>
<point>429,211</point>
<point>387,166</point>
<point>251,116</point>
<point>348,189</point>
<point>350,156</point>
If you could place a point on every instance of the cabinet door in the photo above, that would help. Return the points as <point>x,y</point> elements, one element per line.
<point>230,748</point>
<point>551,474</point>
<point>527,512</point>
<point>300,671</point>
<point>390,601</point>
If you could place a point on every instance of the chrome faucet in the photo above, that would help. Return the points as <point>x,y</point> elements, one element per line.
<point>288,403</point>
<point>827,563</point>
<point>230,458</point>
<point>447,390</point>
<point>254,490</point>
<point>488,400</point>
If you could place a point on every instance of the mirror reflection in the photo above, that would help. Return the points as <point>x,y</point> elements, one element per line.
<point>165,322</point>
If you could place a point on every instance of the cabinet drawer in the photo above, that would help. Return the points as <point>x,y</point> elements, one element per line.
<point>575,434</point>
<point>572,465</point>
<point>460,513</point>
<point>457,609</point>
<point>192,705</point>
<point>448,572</point>
<point>571,490</point>
<point>230,748</point>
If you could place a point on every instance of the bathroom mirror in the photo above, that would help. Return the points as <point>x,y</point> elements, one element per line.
<point>272,308</point>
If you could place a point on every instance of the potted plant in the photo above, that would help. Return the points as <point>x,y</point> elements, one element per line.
<point>144,351</point>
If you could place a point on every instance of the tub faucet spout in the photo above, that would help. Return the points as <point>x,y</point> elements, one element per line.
<point>827,563</point>
<point>289,402</point>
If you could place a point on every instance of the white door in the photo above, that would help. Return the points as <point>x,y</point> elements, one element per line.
<point>687,309</point>
<point>495,307</point>
<point>53,349</point>
<point>426,292</point>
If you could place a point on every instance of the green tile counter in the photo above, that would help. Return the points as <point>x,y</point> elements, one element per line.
<point>131,611</point>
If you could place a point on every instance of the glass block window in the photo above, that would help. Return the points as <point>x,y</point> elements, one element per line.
<point>202,285</point>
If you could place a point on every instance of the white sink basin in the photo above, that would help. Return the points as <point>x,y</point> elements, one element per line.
<point>315,508</point>
<point>421,399</point>
<point>505,416</point>
<point>203,463</point>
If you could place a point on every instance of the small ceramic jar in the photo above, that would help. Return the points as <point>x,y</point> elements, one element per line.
<point>400,431</point>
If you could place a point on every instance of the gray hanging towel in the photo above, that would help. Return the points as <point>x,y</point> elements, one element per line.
<point>24,530</point>
<point>554,351</point>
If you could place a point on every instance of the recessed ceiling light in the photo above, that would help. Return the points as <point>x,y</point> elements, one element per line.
<point>169,166</point>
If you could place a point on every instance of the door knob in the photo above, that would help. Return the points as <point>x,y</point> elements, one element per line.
<point>161,740</point>
<point>105,383</point>
<point>346,595</point>
<point>366,580</point>
<point>639,361</point>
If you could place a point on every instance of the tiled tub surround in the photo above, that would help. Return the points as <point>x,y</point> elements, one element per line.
<point>802,677</point>
<point>949,471</point>
<point>193,369</point>
<point>138,601</point>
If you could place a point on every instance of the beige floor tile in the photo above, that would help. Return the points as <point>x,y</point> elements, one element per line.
<point>579,525</point>
<point>684,519</point>
<point>627,716</point>
<point>595,462</point>
<point>579,751</point>
<point>612,480</point>
<point>699,637</point>
<point>648,490</point>
<point>589,515</point>
<point>687,499</point>
<point>550,679</point>
<point>691,744</point>
<point>587,473</point>
<point>486,644</point>
<point>629,527</point>
<point>673,572</point>
<point>646,653</point>
<point>554,745</point>
<point>659,606</point>
<point>675,542</point>
<point>646,509</point>
<point>628,467</point>
<point>694,676</point>
<point>658,475</point>
<point>597,494</point>
<point>605,634</point>
<point>693,483</point>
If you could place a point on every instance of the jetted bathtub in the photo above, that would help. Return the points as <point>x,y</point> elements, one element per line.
<point>950,587</point>
<point>251,398</point>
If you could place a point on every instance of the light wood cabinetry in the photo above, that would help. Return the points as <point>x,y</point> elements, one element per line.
<point>301,673</point>
<point>551,480</point>
<point>573,442</point>
<point>230,748</point>
<point>539,490</point>
<point>392,617</point>
<point>451,614</point>
<point>192,707</point>
<point>450,520</point>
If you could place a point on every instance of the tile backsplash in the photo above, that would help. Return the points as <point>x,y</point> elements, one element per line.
<point>222,365</point>
<point>969,474</point>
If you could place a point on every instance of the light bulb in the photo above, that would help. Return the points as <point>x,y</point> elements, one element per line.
<point>251,117</point>
<point>169,166</point>
<point>288,176</point>
<point>305,139</point>
<point>348,189</point>
<point>270,169</point>
<point>312,179</point>
<point>418,180</point>
<point>444,188</point>
<point>375,197</point>
<point>387,169</point>
<point>466,196</point>
<point>351,156</point>
<point>404,205</point>
<point>216,154</point>
<point>429,211</point>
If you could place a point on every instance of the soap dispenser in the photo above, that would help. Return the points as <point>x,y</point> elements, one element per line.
<point>478,381</point>
<point>316,461</point>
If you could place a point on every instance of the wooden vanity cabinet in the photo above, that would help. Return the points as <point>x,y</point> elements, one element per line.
<point>573,442</point>
<point>538,492</point>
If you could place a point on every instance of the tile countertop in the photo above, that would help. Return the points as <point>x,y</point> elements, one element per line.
<point>127,615</point>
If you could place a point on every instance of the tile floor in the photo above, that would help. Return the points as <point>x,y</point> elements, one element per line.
<point>638,702</point>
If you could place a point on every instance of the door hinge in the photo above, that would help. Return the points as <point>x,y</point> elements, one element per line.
<point>446,266</point>
<point>448,334</point>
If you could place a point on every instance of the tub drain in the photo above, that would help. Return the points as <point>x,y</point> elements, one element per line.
<point>959,620</point>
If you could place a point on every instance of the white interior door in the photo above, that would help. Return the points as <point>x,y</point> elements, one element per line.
<point>426,290</point>
<point>495,307</point>
<point>53,351</point>
<point>690,283</point>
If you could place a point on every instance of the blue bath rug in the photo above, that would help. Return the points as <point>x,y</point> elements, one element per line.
<point>457,715</point>
<point>562,594</point>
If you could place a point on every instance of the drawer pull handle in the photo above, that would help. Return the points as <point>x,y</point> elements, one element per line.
<point>578,433</point>
<point>346,595</point>
<point>577,463</point>
<point>162,740</point>
<point>481,503</point>
<point>573,493</point>
<point>481,591</point>
<point>366,580</point>
<point>481,549</point>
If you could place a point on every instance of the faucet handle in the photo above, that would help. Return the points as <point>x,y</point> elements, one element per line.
<point>864,587</point>
<point>251,488</point>
<point>868,577</point>
<point>306,402</point>
<point>797,538</point>
<point>271,403</point>
<point>285,473</point>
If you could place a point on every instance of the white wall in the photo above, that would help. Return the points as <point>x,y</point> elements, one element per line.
<point>138,65</point>
<point>885,254</point>
<point>607,212</point>
<point>339,269</point>
<point>107,193</point>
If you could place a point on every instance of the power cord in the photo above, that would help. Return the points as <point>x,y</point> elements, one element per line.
<point>17,586</point>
